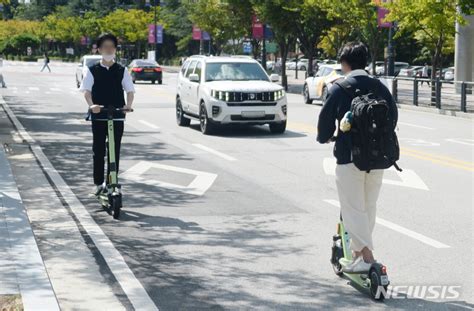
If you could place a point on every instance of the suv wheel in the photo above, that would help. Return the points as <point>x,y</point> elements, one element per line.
<point>278,128</point>
<point>180,118</point>
<point>307,99</point>
<point>207,127</point>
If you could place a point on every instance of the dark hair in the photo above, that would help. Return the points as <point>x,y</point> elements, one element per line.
<point>355,54</point>
<point>106,36</point>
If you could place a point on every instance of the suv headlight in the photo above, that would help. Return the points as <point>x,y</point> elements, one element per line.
<point>220,95</point>
<point>279,94</point>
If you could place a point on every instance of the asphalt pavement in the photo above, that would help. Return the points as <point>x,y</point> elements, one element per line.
<point>240,220</point>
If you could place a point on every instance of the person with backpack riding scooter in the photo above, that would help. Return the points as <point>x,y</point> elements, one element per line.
<point>365,145</point>
<point>104,84</point>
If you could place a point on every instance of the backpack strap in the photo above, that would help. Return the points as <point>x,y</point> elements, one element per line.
<point>348,86</point>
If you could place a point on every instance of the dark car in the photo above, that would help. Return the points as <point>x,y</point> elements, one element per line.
<point>145,70</point>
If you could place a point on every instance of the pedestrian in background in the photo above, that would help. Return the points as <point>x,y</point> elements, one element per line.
<point>2,79</point>
<point>46,63</point>
<point>424,74</point>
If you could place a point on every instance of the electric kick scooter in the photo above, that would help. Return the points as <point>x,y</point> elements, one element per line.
<point>375,280</point>
<point>111,197</point>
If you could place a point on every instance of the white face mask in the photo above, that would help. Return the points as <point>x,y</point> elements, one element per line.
<point>108,57</point>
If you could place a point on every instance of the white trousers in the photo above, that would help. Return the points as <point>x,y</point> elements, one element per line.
<point>358,193</point>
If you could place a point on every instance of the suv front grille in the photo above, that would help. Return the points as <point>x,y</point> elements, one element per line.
<point>251,104</point>
<point>251,96</point>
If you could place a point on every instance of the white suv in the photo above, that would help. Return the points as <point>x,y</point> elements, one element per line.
<point>229,90</point>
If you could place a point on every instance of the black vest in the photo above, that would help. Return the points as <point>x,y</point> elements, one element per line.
<point>107,89</point>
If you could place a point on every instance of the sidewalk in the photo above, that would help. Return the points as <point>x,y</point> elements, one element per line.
<point>76,274</point>
<point>24,282</point>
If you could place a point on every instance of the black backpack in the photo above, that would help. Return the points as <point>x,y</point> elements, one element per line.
<point>373,138</point>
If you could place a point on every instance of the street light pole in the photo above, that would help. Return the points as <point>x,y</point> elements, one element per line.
<point>157,3</point>
<point>390,56</point>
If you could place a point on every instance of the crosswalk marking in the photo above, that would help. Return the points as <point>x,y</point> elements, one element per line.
<point>33,88</point>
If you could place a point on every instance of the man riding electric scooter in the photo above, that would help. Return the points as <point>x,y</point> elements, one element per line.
<point>103,86</point>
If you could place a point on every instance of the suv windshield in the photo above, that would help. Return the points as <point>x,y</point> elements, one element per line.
<point>235,72</point>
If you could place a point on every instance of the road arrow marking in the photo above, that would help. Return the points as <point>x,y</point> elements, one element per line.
<point>408,178</point>
<point>201,183</point>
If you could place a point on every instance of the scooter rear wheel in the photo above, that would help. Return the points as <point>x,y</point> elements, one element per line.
<point>375,282</point>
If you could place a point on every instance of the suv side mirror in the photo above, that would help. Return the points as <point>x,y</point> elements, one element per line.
<point>274,77</point>
<point>194,77</point>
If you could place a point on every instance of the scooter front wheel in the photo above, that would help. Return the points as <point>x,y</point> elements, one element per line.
<point>116,205</point>
<point>337,253</point>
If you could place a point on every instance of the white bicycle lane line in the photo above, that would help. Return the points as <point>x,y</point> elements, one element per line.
<point>134,290</point>
<point>400,229</point>
<point>199,146</point>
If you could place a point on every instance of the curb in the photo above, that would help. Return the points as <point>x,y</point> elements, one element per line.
<point>29,272</point>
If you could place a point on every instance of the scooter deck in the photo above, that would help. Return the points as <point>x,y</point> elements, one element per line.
<point>360,279</point>
<point>103,200</point>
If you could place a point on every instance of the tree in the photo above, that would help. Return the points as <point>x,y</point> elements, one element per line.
<point>432,22</point>
<point>334,39</point>
<point>19,43</point>
<point>311,23</point>
<point>218,18</point>
<point>361,17</point>
<point>282,20</point>
<point>129,26</point>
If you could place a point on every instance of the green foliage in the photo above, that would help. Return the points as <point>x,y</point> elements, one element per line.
<point>18,44</point>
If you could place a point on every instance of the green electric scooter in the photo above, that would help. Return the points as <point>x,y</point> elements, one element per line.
<point>375,280</point>
<point>111,197</point>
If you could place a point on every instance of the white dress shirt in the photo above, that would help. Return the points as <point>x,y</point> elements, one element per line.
<point>88,80</point>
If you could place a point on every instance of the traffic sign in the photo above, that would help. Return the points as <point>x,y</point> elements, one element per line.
<point>247,46</point>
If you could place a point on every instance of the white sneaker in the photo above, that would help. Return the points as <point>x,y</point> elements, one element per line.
<point>97,190</point>
<point>357,266</point>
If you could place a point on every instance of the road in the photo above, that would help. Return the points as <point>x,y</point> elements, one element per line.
<point>244,219</point>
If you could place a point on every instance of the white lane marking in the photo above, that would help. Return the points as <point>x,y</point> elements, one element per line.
<point>419,142</point>
<point>462,141</point>
<point>131,286</point>
<point>13,88</point>
<point>215,152</point>
<point>416,125</point>
<point>33,88</point>
<point>408,178</point>
<point>55,89</point>
<point>149,124</point>
<point>200,184</point>
<point>28,270</point>
<point>410,233</point>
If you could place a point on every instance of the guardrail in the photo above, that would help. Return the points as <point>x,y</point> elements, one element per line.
<point>442,94</point>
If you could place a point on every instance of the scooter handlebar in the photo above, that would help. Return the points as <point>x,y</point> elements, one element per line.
<point>103,108</point>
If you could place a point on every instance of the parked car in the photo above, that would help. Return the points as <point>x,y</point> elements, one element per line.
<point>410,71</point>
<point>316,87</point>
<point>378,64</point>
<point>302,64</point>
<point>229,90</point>
<point>449,74</point>
<point>380,70</point>
<point>145,70</point>
<point>85,61</point>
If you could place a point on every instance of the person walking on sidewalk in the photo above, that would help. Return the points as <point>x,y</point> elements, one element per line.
<point>2,79</point>
<point>358,190</point>
<point>46,63</point>
<point>104,84</point>
<point>425,74</point>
